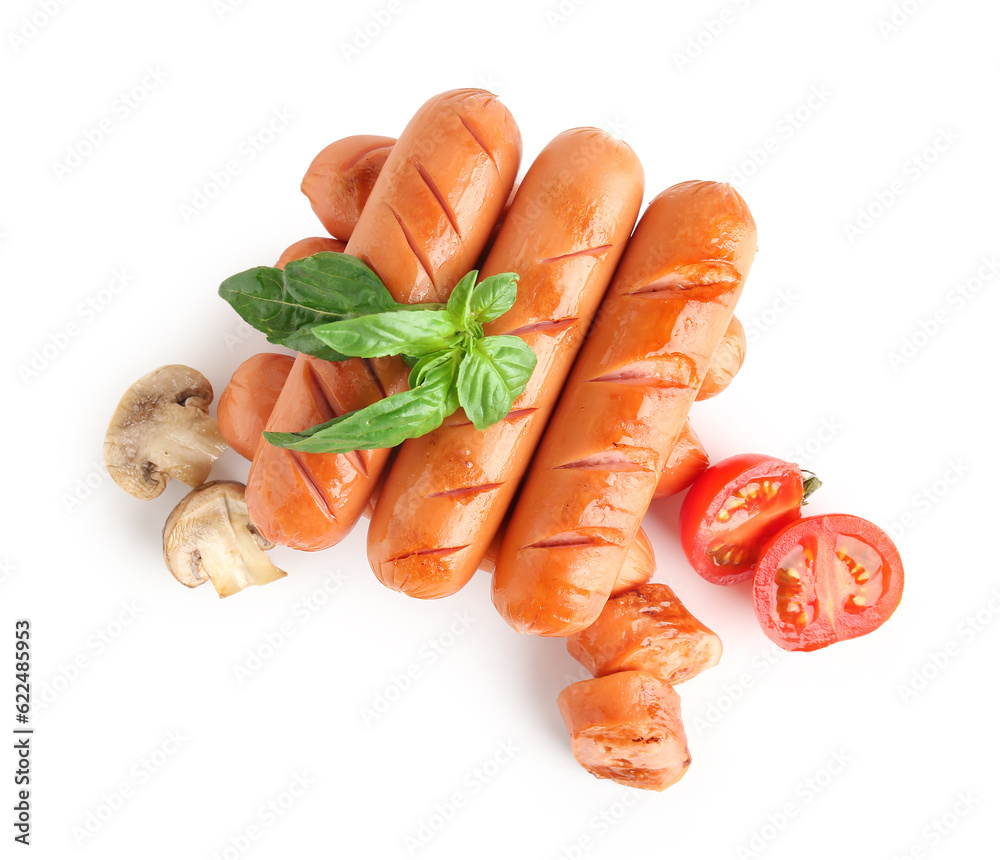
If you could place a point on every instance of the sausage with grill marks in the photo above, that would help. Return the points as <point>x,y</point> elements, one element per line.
<point>623,407</point>
<point>426,221</point>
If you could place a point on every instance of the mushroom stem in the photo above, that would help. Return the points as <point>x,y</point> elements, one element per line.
<point>189,452</point>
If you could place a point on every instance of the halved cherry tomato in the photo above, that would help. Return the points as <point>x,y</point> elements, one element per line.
<point>733,508</point>
<point>824,579</point>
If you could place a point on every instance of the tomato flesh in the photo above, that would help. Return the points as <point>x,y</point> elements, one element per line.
<point>732,509</point>
<point>825,579</point>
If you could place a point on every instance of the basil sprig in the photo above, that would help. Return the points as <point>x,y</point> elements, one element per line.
<point>334,307</point>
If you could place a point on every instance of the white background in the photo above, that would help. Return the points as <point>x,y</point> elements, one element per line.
<point>908,444</point>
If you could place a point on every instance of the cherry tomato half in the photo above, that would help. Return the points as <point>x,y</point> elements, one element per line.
<point>824,579</point>
<point>733,508</point>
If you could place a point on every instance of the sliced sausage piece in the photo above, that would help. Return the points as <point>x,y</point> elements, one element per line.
<point>448,492</point>
<point>686,461</point>
<point>623,407</point>
<point>627,727</point>
<point>425,223</point>
<point>726,361</point>
<point>308,247</point>
<point>649,630</point>
<point>340,180</point>
<point>246,404</point>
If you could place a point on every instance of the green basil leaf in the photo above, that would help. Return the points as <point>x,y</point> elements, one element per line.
<point>458,301</point>
<point>338,283</point>
<point>287,305</point>
<point>493,374</point>
<point>431,363</point>
<point>413,332</point>
<point>258,295</point>
<point>386,423</point>
<point>494,297</point>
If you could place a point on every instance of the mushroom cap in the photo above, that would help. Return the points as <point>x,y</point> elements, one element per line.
<point>209,536</point>
<point>161,429</point>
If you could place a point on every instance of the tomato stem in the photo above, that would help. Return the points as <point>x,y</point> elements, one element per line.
<point>809,486</point>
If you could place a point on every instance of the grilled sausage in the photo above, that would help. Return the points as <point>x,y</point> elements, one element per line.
<point>426,222</point>
<point>623,407</point>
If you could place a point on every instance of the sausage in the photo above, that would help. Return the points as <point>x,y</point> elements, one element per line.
<point>246,404</point>
<point>627,727</point>
<point>623,407</point>
<point>308,247</point>
<point>646,629</point>
<point>426,222</point>
<point>340,179</point>
<point>726,361</point>
<point>686,461</point>
<point>448,492</point>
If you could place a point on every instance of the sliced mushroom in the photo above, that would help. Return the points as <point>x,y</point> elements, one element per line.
<point>161,430</point>
<point>209,536</point>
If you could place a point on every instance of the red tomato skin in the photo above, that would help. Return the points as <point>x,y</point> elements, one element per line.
<point>829,628</point>
<point>706,498</point>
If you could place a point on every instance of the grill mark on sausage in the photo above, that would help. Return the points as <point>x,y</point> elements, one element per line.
<point>330,410</point>
<point>323,403</point>
<point>479,139</point>
<point>442,551</point>
<point>674,370</point>
<point>586,252</point>
<point>572,539</point>
<point>625,378</point>
<point>370,368</point>
<point>411,240</point>
<point>462,492</point>
<point>315,490</point>
<point>357,461</point>
<point>441,199</point>
<point>687,292</point>
<point>702,281</point>
<point>545,326</point>
<point>367,152</point>
<point>607,461</point>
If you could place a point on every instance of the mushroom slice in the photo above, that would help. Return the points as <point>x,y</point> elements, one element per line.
<point>161,430</point>
<point>209,536</point>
